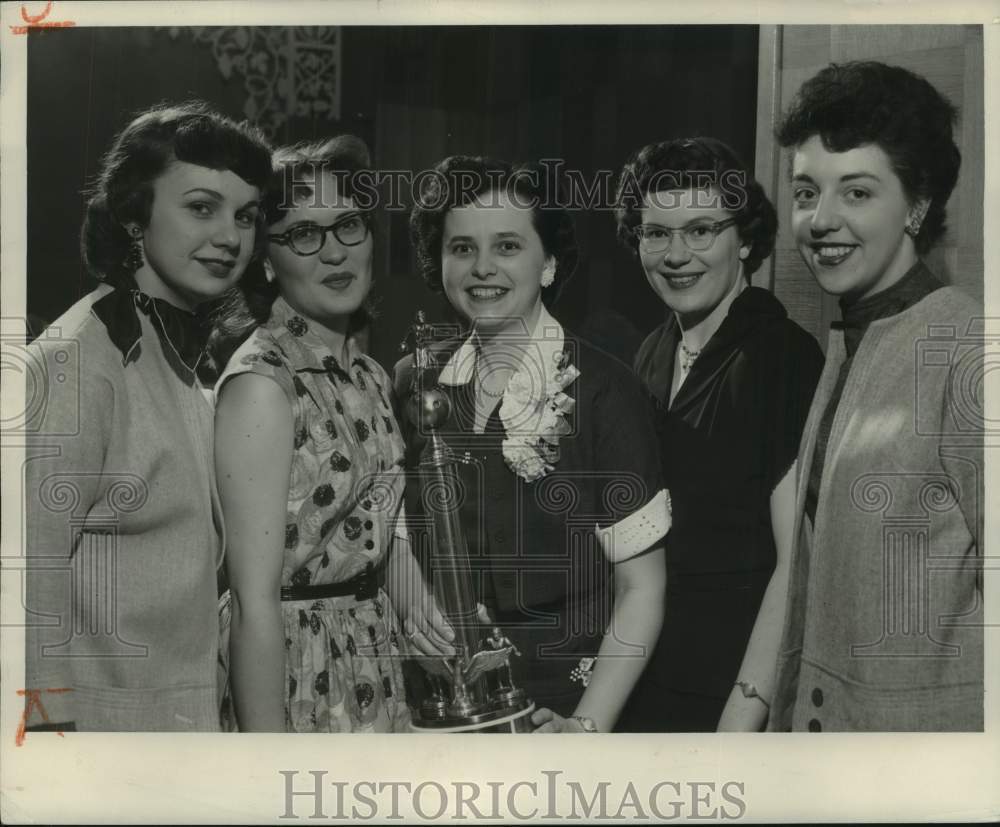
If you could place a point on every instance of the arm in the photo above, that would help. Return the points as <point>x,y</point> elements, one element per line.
<point>640,583</point>
<point>742,714</point>
<point>253,460</point>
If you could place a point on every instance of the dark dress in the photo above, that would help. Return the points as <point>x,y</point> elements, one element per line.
<point>537,563</point>
<point>729,437</point>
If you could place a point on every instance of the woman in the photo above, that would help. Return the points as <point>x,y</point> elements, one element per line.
<point>732,377</point>
<point>309,463</point>
<point>567,489</point>
<point>123,496</point>
<point>884,624</point>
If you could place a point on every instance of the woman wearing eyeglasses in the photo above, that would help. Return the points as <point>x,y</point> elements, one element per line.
<point>732,377</point>
<point>309,460</point>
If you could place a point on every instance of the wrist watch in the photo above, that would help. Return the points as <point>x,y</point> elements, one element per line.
<point>586,724</point>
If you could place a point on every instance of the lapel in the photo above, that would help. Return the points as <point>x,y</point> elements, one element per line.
<point>715,358</point>
<point>751,309</point>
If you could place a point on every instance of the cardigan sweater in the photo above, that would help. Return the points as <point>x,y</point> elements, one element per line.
<point>124,533</point>
<point>883,629</point>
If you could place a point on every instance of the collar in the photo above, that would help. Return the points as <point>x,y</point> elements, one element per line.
<point>547,340</point>
<point>303,347</point>
<point>917,283</point>
<point>181,332</point>
<point>752,310</point>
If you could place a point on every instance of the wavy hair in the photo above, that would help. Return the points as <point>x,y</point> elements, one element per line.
<point>865,102</point>
<point>459,179</point>
<point>123,193</point>
<point>697,163</point>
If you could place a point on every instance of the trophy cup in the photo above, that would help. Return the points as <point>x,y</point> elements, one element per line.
<point>471,691</point>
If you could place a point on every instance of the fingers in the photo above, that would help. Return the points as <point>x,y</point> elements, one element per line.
<point>438,625</point>
<point>426,642</point>
<point>550,727</point>
<point>484,614</point>
<point>545,720</point>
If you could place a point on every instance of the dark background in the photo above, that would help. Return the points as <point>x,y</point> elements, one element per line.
<point>589,95</point>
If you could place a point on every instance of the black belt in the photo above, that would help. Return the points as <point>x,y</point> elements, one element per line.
<point>363,586</point>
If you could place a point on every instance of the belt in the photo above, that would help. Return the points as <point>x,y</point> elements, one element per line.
<point>363,586</point>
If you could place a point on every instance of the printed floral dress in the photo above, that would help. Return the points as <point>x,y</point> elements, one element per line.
<point>342,655</point>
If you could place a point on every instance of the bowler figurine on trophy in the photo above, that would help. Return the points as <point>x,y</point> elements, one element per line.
<point>472,690</point>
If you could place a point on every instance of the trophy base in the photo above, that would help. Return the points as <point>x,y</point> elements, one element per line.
<point>506,720</point>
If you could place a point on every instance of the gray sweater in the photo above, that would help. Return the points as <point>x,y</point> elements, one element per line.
<point>123,533</point>
<point>883,630</point>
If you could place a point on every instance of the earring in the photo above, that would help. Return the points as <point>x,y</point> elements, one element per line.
<point>744,252</point>
<point>134,258</point>
<point>914,221</point>
<point>548,275</point>
<point>268,271</point>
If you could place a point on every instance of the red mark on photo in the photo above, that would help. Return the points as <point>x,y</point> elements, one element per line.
<point>38,21</point>
<point>34,701</point>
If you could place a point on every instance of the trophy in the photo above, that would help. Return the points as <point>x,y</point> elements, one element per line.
<point>473,690</point>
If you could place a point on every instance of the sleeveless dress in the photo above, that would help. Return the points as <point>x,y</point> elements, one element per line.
<point>342,655</point>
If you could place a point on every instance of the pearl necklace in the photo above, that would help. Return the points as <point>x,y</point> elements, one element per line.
<point>688,358</point>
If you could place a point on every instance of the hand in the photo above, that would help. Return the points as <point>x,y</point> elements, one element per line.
<point>427,630</point>
<point>423,624</point>
<point>545,720</point>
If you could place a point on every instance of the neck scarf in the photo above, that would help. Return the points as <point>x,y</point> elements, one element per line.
<point>180,331</point>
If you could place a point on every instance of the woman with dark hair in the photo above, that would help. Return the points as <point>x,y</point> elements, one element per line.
<point>732,377</point>
<point>309,460</point>
<point>568,492</point>
<point>123,498</point>
<point>884,624</point>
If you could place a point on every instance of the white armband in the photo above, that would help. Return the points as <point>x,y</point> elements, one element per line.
<point>638,531</point>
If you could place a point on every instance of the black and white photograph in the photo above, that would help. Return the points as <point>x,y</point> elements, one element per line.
<point>443,370</point>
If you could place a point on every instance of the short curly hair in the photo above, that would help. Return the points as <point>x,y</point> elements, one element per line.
<point>460,179</point>
<point>123,192</point>
<point>865,102</point>
<point>697,163</point>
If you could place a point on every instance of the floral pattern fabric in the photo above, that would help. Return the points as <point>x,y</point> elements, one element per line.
<point>343,656</point>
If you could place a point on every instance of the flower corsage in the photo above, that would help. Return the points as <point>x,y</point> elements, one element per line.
<point>533,412</point>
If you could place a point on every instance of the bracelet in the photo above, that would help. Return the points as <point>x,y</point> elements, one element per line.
<point>750,691</point>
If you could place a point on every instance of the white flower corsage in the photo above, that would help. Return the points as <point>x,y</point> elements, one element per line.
<point>533,412</point>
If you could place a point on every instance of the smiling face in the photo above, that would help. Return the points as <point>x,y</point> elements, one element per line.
<point>332,283</point>
<point>492,260</point>
<point>691,283</point>
<point>200,235</point>
<point>848,214</point>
